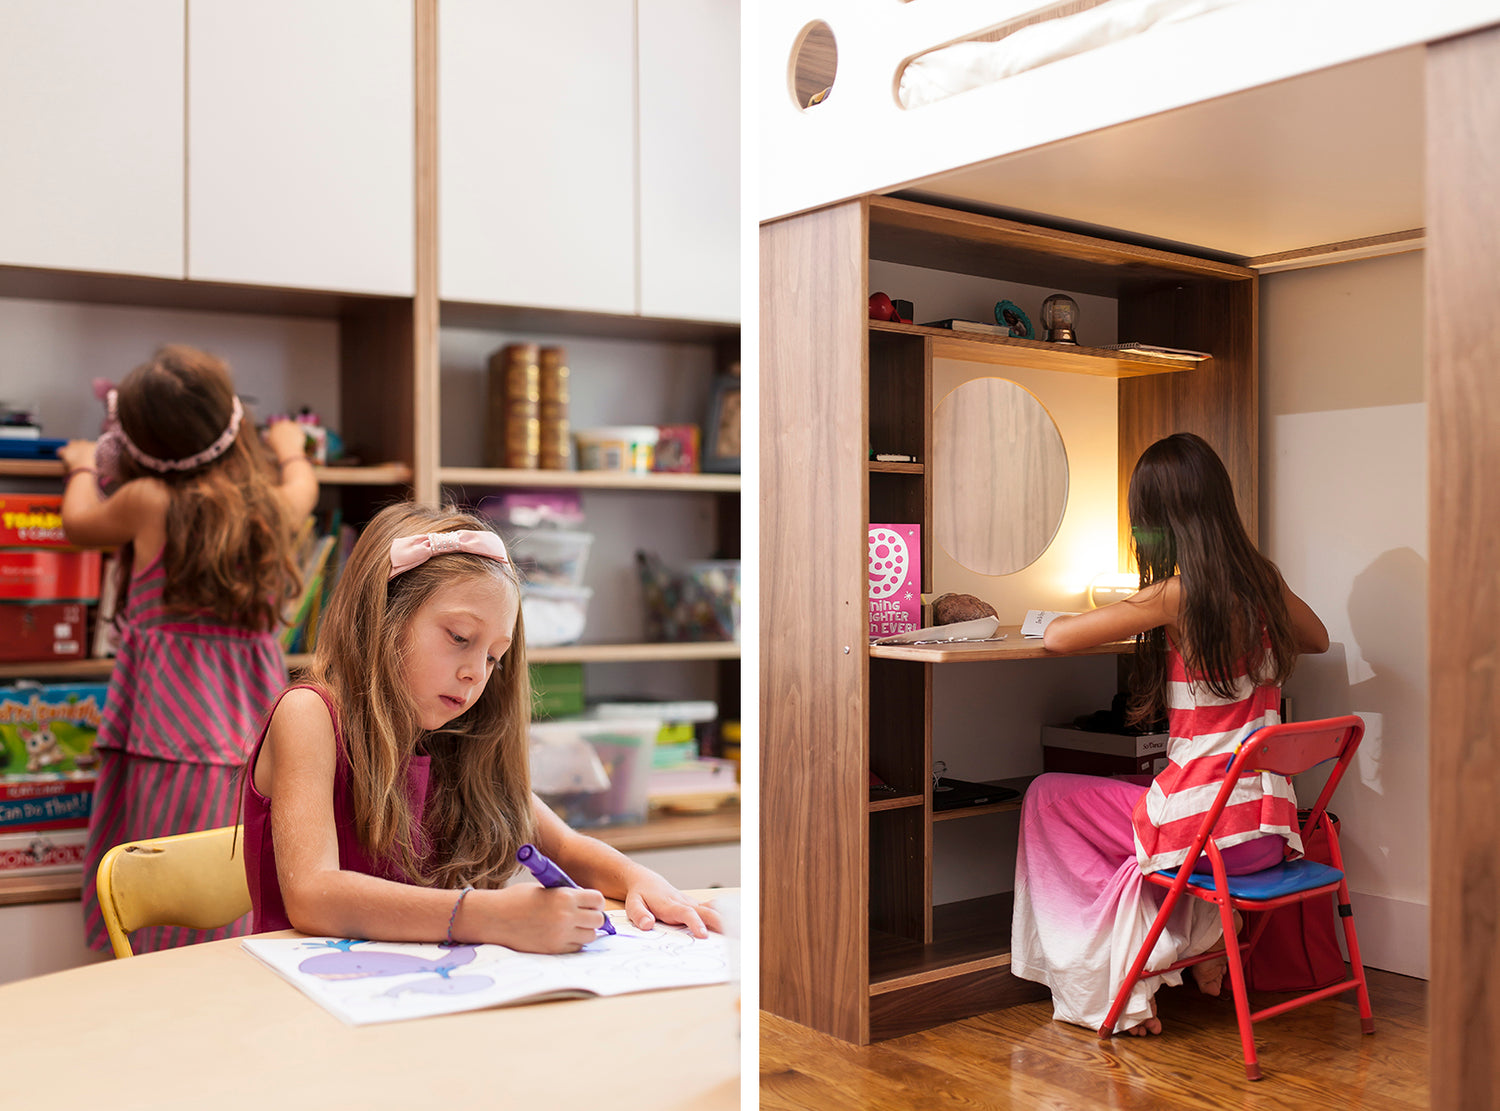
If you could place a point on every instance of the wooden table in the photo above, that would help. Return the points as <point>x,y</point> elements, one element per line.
<point>209,1026</point>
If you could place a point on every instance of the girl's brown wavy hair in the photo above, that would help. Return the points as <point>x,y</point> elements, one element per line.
<point>229,536</point>
<point>1183,522</point>
<point>479,804</point>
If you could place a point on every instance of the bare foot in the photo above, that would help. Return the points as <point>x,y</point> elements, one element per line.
<point>1209,976</point>
<point>1151,1025</point>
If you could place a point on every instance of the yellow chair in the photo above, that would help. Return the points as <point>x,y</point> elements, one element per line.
<point>188,879</point>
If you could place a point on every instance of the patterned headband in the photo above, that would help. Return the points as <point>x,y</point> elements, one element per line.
<point>161,466</point>
<point>413,551</point>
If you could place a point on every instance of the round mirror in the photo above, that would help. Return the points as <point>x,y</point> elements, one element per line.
<point>999,476</point>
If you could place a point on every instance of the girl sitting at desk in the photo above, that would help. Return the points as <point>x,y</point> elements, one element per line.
<point>1217,633</point>
<point>388,796</point>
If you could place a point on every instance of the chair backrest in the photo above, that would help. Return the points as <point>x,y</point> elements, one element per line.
<point>188,879</point>
<point>1288,748</point>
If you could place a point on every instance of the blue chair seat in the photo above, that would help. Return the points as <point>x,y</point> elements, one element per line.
<point>1271,883</point>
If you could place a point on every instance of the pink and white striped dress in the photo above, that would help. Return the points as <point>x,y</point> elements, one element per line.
<point>185,705</point>
<point>1205,732</point>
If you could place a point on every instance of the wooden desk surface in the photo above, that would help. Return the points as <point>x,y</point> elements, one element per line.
<point>209,1026</point>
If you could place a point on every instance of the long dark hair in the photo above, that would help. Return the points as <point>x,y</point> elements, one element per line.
<point>1183,522</point>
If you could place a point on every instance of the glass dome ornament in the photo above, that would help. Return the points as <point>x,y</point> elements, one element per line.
<point>1060,319</point>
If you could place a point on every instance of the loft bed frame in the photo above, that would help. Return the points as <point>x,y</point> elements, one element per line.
<point>858,142</point>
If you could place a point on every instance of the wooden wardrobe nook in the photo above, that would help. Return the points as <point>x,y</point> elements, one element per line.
<point>851,944</point>
<point>851,941</point>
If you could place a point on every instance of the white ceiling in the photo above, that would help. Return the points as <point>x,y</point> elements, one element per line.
<point>1323,158</point>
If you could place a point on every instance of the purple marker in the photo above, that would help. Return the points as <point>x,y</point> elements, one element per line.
<point>550,875</point>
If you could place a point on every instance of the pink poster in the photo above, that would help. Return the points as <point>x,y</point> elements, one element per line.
<point>895,579</point>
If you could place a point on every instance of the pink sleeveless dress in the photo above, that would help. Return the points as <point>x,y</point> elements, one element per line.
<point>185,699</point>
<point>268,912</point>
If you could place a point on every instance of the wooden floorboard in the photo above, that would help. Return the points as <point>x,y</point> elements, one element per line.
<point>1314,1056</point>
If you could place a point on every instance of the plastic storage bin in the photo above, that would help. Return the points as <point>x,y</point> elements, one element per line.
<point>700,601</point>
<point>551,557</point>
<point>554,615</point>
<point>624,747</point>
<point>627,448</point>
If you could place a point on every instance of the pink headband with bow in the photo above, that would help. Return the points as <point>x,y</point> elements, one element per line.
<point>413,551</point>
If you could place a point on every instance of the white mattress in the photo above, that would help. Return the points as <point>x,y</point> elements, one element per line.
<point>954,69</point>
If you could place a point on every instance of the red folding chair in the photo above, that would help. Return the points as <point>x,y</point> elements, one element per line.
<point>1287,749</point>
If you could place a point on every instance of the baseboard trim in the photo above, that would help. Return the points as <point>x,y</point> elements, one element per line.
<point>1393,933</point>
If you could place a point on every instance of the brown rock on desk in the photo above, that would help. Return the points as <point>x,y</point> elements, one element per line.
<point>948,609</point>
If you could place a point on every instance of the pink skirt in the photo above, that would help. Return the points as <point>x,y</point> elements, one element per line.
<point>1083,909</point>
<point>138,797</point>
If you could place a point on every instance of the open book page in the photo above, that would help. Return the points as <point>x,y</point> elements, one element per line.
<point>1037,621</point>
<point>377,981</point>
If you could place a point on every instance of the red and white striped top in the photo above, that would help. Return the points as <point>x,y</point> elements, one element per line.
<point>1205,731</point>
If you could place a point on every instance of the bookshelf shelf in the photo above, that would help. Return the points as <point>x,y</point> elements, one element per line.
<point>635,653</point>
<point>381,474</point>
<point>1035,354</point>
<point>659,831</point>
<point>589,480</point>
<point>568,653</point>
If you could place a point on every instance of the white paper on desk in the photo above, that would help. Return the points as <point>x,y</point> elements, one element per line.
<point>377,981</point>
<point>1037,621</point>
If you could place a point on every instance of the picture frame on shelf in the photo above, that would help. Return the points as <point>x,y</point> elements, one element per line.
<point>721,432</point>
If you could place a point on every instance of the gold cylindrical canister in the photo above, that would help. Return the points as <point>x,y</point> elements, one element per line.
<point>553,366</point>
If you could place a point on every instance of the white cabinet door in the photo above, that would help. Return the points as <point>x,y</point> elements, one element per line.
<point>300,143</point>
<point>690,158</point>
<point>537,153</point>
<point>91,135</point>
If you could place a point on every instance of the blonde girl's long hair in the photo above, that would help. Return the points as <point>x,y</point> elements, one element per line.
<point>229,537</point>
<point>479,803</point>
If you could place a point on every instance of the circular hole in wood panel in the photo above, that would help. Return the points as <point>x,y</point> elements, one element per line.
<point>814,63</point>
<point>999,476</point>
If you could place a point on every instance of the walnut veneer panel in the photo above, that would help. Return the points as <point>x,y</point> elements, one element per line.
<point>1219,400</point>
<point>377,380</point>
<point>1463,397</point>
<point>988,246</point>
<point>813,621</point>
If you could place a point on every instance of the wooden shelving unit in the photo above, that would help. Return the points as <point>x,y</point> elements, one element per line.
<point>660,831</point>
<point>380,474</point>
<point>860,951</point>
<point>568,653</point>
<point>486,477</point>
<point>978,347</point>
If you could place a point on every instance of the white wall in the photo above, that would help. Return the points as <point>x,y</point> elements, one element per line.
<point>1344,512</point>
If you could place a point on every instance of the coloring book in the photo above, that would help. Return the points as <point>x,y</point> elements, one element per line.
<point>377,981</point>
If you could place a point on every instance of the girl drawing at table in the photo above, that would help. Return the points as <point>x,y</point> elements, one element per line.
<point>1217,632</point>
<point>208,519</point>
<point>388,795</point>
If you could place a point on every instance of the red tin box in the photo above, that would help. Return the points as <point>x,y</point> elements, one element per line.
<point>32,521</point>
<point>43,576</point>
<point>42,631</point>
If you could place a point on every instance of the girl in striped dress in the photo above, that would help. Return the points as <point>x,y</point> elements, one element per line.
<point>1217,632</point>
<point>208,520</point>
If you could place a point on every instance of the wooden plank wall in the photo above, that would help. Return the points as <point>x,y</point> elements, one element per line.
<point>1463,396</point>
<point>814,663</point>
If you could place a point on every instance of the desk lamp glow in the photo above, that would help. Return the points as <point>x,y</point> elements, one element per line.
<point>1112,586</point>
